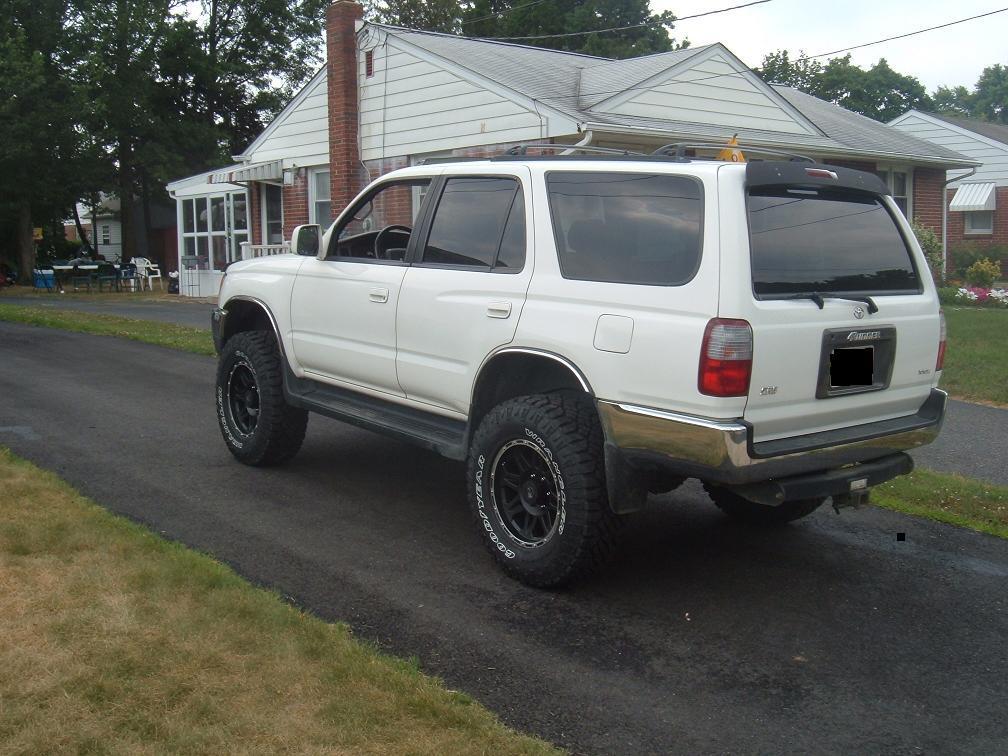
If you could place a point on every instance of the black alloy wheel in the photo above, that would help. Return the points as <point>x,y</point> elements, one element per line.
<point>243,398</point>
<point>525,492</point>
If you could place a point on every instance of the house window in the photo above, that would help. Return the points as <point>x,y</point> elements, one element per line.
<point>106,235</point>
<point>899,183</point>
<point>369,63</point>
<point>321,204</point>
<point>272,214</point>
<point>980,222</point>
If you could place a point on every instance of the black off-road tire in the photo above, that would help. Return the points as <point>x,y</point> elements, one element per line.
<point>273,433</point>
<point>559,433</point>
<point>753,513</point>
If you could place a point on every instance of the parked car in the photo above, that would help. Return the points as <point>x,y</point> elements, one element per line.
<point>585,330</point>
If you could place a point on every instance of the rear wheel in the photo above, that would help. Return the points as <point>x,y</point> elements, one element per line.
<point>257,424</point>
<point>742,509</point>
<point>537,488</point>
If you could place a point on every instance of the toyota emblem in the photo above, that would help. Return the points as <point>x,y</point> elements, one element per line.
<point>859,312</point>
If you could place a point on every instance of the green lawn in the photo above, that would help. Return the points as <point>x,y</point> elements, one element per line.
<point>185,338</point>
<point>976,363</point>
<point>947,498</point>
<point>113,640</point>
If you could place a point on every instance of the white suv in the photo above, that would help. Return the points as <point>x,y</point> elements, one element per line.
<point>586,330</point>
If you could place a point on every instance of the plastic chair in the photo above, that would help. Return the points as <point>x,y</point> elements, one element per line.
<point>80,278</point>
<point>107,273</point>
<point>148,271</point>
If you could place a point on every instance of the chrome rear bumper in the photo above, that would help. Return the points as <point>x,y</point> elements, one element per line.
<point>722,451</point>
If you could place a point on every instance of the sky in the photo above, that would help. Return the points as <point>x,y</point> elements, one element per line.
<point>953,56</point>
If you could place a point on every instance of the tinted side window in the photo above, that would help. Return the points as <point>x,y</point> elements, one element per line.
<point>627,227</point>
<point>469,221</point>
<point>511,257</point>
<point>380,225</point>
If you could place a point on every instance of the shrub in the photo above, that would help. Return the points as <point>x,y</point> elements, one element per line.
<point>932,247</point>
<point>962,256</point>
<point>949,295</point>
<point>983,273</point>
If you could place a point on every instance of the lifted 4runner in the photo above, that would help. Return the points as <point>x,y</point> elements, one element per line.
<point>586,330</point>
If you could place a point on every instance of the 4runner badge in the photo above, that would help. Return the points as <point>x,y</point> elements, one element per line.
<point>859,312</point>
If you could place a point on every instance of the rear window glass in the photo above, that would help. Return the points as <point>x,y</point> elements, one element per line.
<point>806,240</point>
<point>626,227</point>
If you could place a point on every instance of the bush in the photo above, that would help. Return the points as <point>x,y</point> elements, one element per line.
<point>949,295</point>
<point>932,247</point>
<point>962,256</point>
<point>983,273</point>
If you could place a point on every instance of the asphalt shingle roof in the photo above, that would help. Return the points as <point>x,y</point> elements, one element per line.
<point>573,84</point>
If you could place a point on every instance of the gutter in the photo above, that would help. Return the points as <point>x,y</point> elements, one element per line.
<point>839,150</point>
<point>945,204</point>
<point>583,143</point>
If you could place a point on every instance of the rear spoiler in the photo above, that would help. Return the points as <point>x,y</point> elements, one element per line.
<point>797,174</point>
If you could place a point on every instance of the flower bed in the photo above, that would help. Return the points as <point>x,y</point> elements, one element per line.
<point>974,295</point>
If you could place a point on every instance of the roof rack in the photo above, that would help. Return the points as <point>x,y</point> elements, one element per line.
<point>522,149</point>
<point>678,150</point>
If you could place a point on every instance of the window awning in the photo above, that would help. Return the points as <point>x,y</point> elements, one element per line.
<point>271,170</point>
<point>972,197</point>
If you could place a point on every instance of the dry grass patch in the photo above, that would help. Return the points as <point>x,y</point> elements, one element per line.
<point>114,640</point>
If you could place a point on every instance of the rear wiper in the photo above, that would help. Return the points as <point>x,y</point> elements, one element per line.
<point>820,300</point>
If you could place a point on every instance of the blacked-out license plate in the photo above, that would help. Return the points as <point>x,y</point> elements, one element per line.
<point>852,366</point>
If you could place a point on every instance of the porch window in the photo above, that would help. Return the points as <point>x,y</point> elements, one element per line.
<point>272,214</point>
<point>321,203</point>
<point>980,222</point>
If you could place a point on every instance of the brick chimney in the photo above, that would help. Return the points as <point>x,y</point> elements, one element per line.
<point>341,72</point>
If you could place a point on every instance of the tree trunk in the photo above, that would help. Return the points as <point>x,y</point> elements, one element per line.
<point>25,245</point>
<point>88,248</point>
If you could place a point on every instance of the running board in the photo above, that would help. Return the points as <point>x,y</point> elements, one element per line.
<point>441,434</point>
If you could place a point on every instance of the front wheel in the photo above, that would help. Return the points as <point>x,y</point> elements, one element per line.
<point>742,509</point>
<point>258,425</point>
<point>537,488</point>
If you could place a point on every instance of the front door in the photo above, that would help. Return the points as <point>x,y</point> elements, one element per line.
<point>462,296</point>
<point>343,307</point>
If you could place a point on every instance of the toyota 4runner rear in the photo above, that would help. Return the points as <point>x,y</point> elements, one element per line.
<point>587,331</point>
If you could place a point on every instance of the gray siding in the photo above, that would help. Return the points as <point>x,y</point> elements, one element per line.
<point>711,91</point>
<point>412,106</point>
<point>995,159</point>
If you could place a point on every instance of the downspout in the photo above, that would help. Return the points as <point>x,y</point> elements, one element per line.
<point>945,220</point>
<point>585,141</point>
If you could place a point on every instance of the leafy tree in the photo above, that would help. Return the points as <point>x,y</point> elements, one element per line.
<point>990,96</point>
<point>878,92</point>
<point>429,15</point>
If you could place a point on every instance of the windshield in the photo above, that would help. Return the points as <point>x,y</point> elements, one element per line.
<point>826,241</point>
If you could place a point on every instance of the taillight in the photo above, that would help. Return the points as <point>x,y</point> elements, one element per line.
<point>726,358</point>
<point>942,333</point>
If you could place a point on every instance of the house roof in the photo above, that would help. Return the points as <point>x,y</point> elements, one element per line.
<point>996,131</point>
<point>575,85</point>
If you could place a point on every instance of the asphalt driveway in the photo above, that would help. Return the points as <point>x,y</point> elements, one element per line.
<point>828,636</point>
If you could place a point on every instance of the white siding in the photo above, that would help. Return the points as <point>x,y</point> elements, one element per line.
<point>995,159</point>
<point>411,106</point>
<point>113,250</point>
<point>712,91</point>
<point>301,133</point>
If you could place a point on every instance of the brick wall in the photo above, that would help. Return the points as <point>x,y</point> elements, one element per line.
<point>295,203</point>
<point>957,235</point>
<point>928,186</point>
<point>255,212</point>
<point>341,70</point>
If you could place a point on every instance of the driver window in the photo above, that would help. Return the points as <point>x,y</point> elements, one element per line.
<point>380,224</point>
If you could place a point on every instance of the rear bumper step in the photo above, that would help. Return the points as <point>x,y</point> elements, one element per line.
<point>723,452</point>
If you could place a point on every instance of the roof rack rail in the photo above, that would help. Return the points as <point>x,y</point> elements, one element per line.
<point>678,150</point>
<point>522,149</point>
<point>451,159</point>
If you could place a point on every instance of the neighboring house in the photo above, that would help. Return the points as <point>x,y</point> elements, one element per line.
<point>390,97</point>
<point>977,202</point>
<point>107,236</point>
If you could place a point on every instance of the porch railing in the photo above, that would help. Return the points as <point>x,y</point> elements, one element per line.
<point>250,250</point>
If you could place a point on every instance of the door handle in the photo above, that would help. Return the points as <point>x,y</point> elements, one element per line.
<point>378,295</point>
<point>498,309</point>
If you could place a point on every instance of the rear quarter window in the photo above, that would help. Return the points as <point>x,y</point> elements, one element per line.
<point>635,228</point>
<point>826,241</point>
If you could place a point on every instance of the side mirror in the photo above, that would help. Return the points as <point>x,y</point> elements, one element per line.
<point>306,239</point>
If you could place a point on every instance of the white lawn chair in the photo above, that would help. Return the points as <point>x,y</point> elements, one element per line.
<point>147,272</point>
